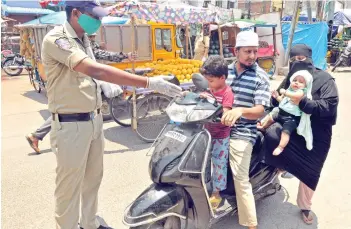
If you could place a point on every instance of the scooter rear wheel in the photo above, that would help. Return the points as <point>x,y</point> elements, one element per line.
<point>157,225</point>
<point>171,222</point>
<point>9,71</point>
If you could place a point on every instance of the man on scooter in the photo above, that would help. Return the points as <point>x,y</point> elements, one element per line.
<point>251,89</point>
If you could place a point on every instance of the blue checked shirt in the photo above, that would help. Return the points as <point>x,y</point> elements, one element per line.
<point>250,88</point>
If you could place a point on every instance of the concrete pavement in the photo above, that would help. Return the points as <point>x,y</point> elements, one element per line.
<point>28,179</point>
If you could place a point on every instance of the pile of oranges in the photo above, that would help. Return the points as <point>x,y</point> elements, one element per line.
<point>181,68</point>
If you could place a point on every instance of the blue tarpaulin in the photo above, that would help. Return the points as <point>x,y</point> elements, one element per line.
<point>301,18</point>
<point>60,17</point>
<point>6,10</point>
<point>313,35</point>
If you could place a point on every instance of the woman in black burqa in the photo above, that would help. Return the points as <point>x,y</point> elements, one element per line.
<point>296,159</point>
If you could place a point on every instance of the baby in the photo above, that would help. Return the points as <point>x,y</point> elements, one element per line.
<point>289,114</point>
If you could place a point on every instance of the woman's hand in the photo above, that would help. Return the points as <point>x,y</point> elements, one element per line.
<point>275,94</point>
<point>230,117</point>
<point>296,100</point>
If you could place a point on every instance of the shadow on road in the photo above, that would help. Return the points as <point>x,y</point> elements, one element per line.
<point>101,221</point>
<point>272,212</point>
<point>124,136</point>
<point>342,71</point>
<point>39,97</point>
<point>45,114</point>
<point>41,152</point>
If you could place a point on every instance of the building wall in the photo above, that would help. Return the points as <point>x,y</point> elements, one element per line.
<point>256,7</point>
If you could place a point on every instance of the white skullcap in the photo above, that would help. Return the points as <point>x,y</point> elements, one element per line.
<point>246,38</point>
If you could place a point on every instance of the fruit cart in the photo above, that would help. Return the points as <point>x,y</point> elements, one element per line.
<point>336,47</point>
<point>267,53</point>
<point>157,51</point>
<point>222,40</point>
<point>141,108</point>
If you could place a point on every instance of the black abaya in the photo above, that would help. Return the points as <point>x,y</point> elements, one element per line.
<point>304,164</point>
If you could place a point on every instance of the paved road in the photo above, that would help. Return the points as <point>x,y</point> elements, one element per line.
<point>28,179</point>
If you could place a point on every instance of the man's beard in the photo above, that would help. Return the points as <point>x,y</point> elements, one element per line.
<point>244,66</point>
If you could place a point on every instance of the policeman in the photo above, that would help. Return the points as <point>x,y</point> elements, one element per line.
<point>74,100</point>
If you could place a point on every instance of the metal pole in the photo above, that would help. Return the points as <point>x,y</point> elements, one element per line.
<point>331,9</point>
<point>134,121</point>
<point>309,11</point>
<point>249,12</point>
<point>292,31</point>
<point>187,41</point>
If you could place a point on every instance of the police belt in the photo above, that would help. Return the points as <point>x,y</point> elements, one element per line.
<point>78,117</point>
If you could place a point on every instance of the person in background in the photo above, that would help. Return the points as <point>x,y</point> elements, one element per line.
<point>101,54</point>
<point>202,44</point>
<point>330,30</point>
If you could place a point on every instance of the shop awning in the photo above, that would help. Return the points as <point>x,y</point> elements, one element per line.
<point>5,19</point>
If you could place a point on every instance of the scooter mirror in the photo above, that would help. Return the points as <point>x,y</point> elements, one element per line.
<point>200,82</point>
<point>174,80</point>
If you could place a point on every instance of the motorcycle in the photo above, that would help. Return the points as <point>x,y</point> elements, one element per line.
<point>4,54</point>
<point>14,64</point>
<point>345,55</point>
<point>180,168</point>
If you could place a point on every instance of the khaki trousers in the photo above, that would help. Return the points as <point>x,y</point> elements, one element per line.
<point>239,158</point>
<point>304,197</point>
<point>79,148</point>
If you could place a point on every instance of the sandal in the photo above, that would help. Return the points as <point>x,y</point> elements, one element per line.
<point>307,217</point>
<point>32,143</point>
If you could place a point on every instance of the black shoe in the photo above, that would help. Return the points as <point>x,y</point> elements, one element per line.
<point>101,227</point>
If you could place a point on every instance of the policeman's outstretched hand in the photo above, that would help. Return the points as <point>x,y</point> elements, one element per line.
<point>160,85</point>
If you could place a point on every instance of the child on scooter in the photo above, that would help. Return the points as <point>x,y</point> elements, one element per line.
<point>215,70</point>
<point>289,115</point>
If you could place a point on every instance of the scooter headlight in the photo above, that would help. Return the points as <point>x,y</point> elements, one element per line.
<point>197,115</point>
<point>187,113</point>
<point>179,113</point>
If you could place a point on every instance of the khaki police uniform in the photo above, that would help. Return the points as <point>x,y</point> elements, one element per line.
<point>77,135</point>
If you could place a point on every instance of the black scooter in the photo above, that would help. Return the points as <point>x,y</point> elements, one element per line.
<point>344,56</point>
<point>180,169</point>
